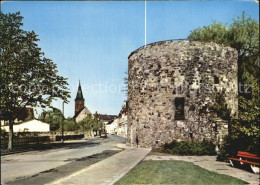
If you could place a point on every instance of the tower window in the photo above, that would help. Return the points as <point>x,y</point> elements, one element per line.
<point>216,80</point>
<point>179,109</point>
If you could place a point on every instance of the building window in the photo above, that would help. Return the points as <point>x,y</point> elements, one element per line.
<point>179,109</point>
<point>216,80</point>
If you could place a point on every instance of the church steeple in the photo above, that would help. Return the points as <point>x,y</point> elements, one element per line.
<point>79,93</point>
<point>79,100</point>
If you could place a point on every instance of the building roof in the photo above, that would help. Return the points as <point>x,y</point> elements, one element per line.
<point>86,110</point>
<point>106,117</point>
<point>79,93</point>
<point>111,121</point>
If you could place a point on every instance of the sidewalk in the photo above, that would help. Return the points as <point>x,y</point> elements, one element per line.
<point>210,163</point>
<point>107,171</point>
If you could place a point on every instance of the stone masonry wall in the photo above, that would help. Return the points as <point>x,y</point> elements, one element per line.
<point>161,72</point>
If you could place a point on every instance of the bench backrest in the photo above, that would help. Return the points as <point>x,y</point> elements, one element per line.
<point>247,155</point>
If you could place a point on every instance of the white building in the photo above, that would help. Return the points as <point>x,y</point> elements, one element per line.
<point>122,125</point>
<point>119,125</point>
<point>111,127</point>
<point>30,126</point>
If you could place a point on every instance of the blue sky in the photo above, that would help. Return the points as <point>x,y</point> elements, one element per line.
<point>91,40</point>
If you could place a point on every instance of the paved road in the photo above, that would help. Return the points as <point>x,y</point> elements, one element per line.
<point>17,166</point>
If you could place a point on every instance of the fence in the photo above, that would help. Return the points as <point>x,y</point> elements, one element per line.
<point>25,140</point>
<point>70,137</point>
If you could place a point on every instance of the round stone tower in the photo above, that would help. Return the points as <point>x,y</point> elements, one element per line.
<point>172,89</point>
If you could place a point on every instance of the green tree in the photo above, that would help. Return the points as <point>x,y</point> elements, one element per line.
<point>96,124</point>
<point>91,123</point>
<point>220,107</point>
<point>53,117</point>
<point>87,123</point>
<point>126,81</point>
<point>243,35</point>
<point>71,125</point>
<point>29,117</point>
<point>27,77</point>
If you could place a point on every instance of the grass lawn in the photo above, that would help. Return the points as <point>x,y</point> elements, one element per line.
<point>174,172</point>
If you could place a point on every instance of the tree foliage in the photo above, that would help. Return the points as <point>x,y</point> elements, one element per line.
<point>53,117</point>
<point>86,123</point>
<point>29,117</point>
<point>126,81</point>
<point>71,125</point>
<point>27,77</point>
<point>220,107</point>
<point>243,35</point>
<point>90,123</point>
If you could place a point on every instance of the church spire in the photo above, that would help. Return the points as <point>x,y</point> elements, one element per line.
<point>79,93</point>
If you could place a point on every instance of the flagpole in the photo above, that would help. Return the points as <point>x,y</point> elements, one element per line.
<point>145,24</point>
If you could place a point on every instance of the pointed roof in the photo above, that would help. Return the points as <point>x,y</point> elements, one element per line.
<point>106,117</point>
<point>79,93</point>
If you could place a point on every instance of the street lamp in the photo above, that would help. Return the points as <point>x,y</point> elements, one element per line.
<point>62,126</point>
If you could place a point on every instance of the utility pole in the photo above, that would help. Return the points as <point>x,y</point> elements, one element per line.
<point>62,126</point>
<point>145,23</point>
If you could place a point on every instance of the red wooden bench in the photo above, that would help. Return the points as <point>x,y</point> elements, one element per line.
<point>246,158</point>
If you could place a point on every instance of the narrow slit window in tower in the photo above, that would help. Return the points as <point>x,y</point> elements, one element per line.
<point>179,109</point>
<point>216,80</point>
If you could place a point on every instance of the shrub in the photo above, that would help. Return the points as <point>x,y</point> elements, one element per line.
<point>232,145</point>
<point>70,125</point>
<point>239,140</point>
<point>189,148</point>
